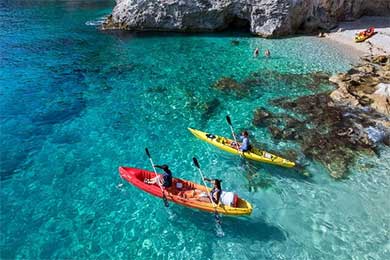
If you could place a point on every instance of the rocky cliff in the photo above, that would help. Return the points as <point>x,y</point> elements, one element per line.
<point>262,17</point>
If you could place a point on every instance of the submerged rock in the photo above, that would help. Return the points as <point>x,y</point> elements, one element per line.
<point>276,132</point>
<point>230,85</point>
<point>260,17</point>
<point>235,42</point>
<point>380,59</point>
<point>209,108</point>
<point>331,133</point>
<point>260,116</point>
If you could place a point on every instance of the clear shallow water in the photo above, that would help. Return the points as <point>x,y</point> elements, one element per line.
<point>76,103</point>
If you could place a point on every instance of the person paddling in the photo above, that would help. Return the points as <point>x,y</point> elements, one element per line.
<point>165,179</point>
<point>245,145</point>
<point>215,192</point>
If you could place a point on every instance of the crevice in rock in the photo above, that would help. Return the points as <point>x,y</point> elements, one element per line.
<point>235,23</point>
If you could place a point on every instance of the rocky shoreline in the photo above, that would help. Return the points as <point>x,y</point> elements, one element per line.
<point>353,118</point>
<point>331,127</point>
<point>266,18</point>
<point>366,85</point>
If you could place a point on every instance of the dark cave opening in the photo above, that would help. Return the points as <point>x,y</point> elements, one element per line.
<point>235,23</point>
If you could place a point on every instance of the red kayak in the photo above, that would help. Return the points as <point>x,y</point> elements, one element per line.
<point>364,35</point>
<point>186,193</point>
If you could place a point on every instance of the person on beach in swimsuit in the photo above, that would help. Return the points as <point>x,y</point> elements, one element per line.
<point>267,53</point>
<point>256,53</point>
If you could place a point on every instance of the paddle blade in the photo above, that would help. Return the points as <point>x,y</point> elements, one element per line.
<point>217,218</point>
<point>196,162</point>
<point>165,201</point>
<point>228,120</point>
<point>147,152</point>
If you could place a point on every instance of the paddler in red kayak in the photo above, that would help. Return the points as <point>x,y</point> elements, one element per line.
<point>165,179</point>
<point>215,192</point>
<point>217,195</point>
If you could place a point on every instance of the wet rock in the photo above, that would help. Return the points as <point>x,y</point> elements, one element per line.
<point>380,59</point>
<point>260,116</point>
<point>366,68</point>
<point>338,168</point>
<point>230,85</point>
<point>290,134</point>
<point>386,140</point>
<point>253,81</point>
<point>290,155</point>
<point>359,87</point>
<point>335,124</point>
<point>353,71</point>
<point>227,84</point>
<point>340,77</point>
<point>291,122</point>
<point>335,131</point>
<point>365,101</point>
<point>275,132</point>
<point>158,89</point>
<point>209,108</point>
<point>320,77</point>
<point>265,18</point>
<point>369,89</point>
<point>235,42</point>
<point>376,134</point>
<point>354,83</point>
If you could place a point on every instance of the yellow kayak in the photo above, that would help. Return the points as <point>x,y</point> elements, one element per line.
<point>255,154</point>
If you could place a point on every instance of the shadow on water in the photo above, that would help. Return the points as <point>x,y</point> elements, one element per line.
<point>68,6</point>
<point>233,227</point>
<point>252,168</point>
<point>128,35</point>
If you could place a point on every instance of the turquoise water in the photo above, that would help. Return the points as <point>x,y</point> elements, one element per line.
<point>76,103</point>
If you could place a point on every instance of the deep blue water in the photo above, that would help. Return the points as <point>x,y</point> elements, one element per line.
<point>77,102</point>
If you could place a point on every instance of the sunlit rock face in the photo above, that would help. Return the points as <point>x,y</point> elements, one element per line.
<point>261,17</point>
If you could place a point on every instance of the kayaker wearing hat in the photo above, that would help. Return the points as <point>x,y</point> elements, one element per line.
<point>165,179</point>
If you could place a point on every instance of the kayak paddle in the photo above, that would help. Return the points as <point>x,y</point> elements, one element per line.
<point>232,130</point>
<point>157,180</point>
<point>216,215</point>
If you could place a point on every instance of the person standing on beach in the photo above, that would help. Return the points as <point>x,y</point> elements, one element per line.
<point>267,53</point>
<point>256,53</point>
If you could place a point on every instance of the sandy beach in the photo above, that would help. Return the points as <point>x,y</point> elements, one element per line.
<point>378,44</point>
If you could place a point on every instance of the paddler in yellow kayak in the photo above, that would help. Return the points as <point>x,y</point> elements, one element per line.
<point>245,144</point>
